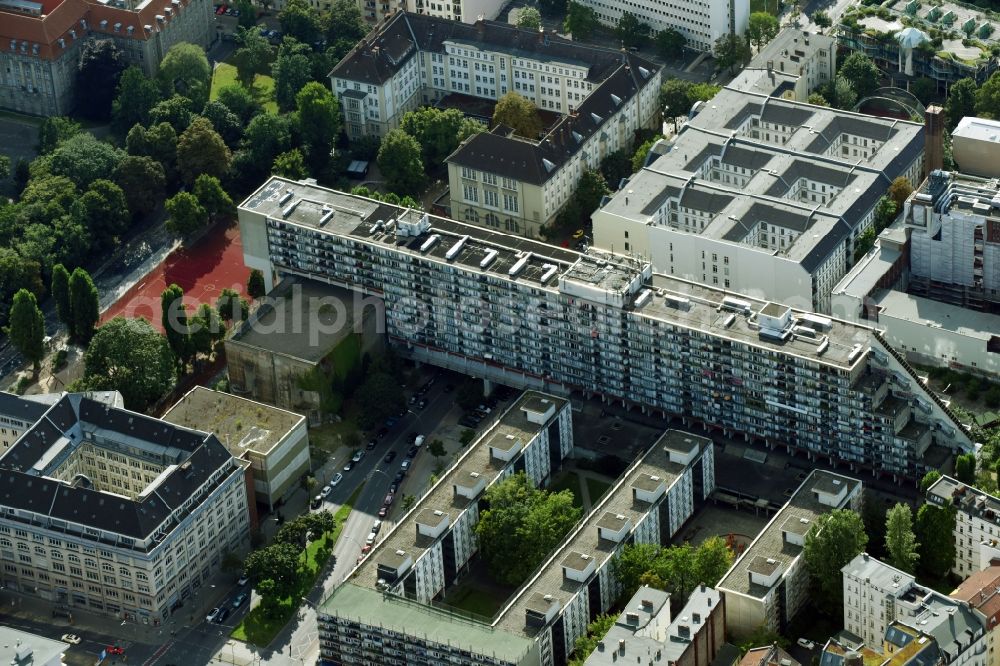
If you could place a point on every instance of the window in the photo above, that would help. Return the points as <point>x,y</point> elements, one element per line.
<point>491,198</point>
<point>469,173</point>
<point>471,192</point>
<point>510,203</point>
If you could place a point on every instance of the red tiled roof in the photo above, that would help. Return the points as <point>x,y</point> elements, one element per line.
<point>982,591</point>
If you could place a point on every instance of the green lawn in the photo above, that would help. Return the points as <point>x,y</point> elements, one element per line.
<point>769,6</point>
<point>259,627</point>
<point>567,481</point>
<point>596,488</point>
<point>477,594</point>
<point>263,86</point>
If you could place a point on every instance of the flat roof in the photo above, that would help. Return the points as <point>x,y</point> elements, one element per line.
<point>771,544</point>
<point>866,273</point>
<point>937,315</point>
<point>241,424</point>
<point>442,497</point>
<point>545,267</point>
<point>14,642</point>
<point>878,574</point>
<point>981,129</point>
<point>301,318</point>
<point>584,538</point>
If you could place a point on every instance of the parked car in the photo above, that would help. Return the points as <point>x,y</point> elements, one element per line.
<point>372,443</point>
<point>393,487</point>
<point>367,549</point>
<point>376,526</point>
<point>337,478</point>
<point>212,614</point>
<point>358,455</point>
<point>448,388</point>
<point>414,398</point>
<point>418,441</point>
<point>371,538</point>
<point>383,512</point>
<point>349,465</point>
<point>400,475</point>
<point>389,457</point>
<point>391,421</point>
<point>244,579</point>
<point>806,643</point>
<point>411,453</point>
<point>325,491</point>
<point>317,502</point>
<point>422,404</point>
<point>236,12</point>
<point>240,599</point>
<point>382,432</point>
<point>578,234</point>
<point>405,467</point>
<point>388,499</point>
<point>72,639</point>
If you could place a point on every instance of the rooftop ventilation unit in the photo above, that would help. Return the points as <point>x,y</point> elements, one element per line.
<point>855,352</point>
<point>519,265</point>
<point>488,259</point>
<point>643,298</point>
<point>327,213</point>
<point>550,271</point>
<point>678,302</point>
<point>289,209</point>
<point>823,346</point>
<point>456,248</point>
<point>429,243</point>
<point>730,303</point>
<point>285,197</point>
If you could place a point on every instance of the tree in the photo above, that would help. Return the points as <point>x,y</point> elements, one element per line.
<point>232,306</point>
<point>299,21</point>
<point>200,150</point>
<point>175,111</point>
<point>586,644</point>
<point>238,99</point>
<point>862,73</point>
<point>631,31</point>
<point>290,165</point>
<point>822,19</point>
<point>518,113</point>
<point>215,200</point>
<point>924,89</point>
<point>642,152</point>
<point>521,525</point>
<point>131,357</point>
<point>675,569</point>
<point>278,563</point>
<point>581,21</point>
<point>173,318</point>
<point>616,166</point>
<point>143,181</point>
<point>436,448</point>
<point>186,214</point>
<point>344,22</point>
<point>988,98</point>
<point>105,212</point>
<point>291,71</point>
<point>159,142</point>
<point>266,137</point>
<point>731,51</point>
<point>833,540</point>
<point>205,329</point>
<point>379,397</point>
<point>84,305</point>
<point>101,65</point>
<point>136,96</point>
<point>467,437</point>
<point>254,55</point>
<point>185,70</point>
<point>318,117</point>
<point>762,28</point>
<point>248,14</point>
<point>83,159</point>
<point>60,294</point>
<point>928,481</point>
<point>935,529</point>
<point>670,43</point>
<point>900,542</point>
<point>632,564</point>
<point>400,163</point>
<point>53,131</point>
<point>224,121</point>
<point>818,99</point>
<point>900,190</point>
<point>590,190</point>
<point>530,18</point>
<point>965,468</point>
<point>961,101</point>
<point>885,213</point>
<point>864,242</point>
<point>675,97</point>
<point>255,284</point>
<point>844,95</point>
<point>438,132</point>
<point>26,327</point>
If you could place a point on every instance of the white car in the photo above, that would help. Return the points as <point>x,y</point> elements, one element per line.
<point>72,639</point>
<point>326,491</point>
<point>212,614</point>
<point>244,579</point>
<point>371,538</point>
<point>806,643</point>
<point>358,455</point>
<point>337,478</point>
<point>376,526</point>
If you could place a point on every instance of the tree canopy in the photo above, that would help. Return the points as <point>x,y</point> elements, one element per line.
<point>731,51</point>
<point>290,164</point>
<point>26,327</point>
<point>399,160</point>
<point>83,159</point>
<point>900,541</point>
<point>185,70</point>
<point>200,150</point>
<point>379,397</point>
<point>961,101</point>
<point>631,31</point>
<point>762,28</point>
<point>254,55</point>
<point>832,541</point>
<point>862,73</point>
<point>935,531</point>
<point>439,132</point>
<point>53,131</point>
<point>186,213</point>
<point>142,179</point>
<point>136,95</point>
<point>518,113</point>
<point>299,21</point>
<point>318,117</point>
<point>84,305</point>
<point>581,21</point>
<point>529,17</point>
<point>900,189</point>
<point>291,71</point>
<point>520,525</point>
<point>674,569</point>
<point>131,357</point>
<point>101,64</point>
<point>670,43</point>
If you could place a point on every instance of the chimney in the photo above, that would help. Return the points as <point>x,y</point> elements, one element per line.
<point>481,26</point>
<point>541,35</point>
<point>933,139</point>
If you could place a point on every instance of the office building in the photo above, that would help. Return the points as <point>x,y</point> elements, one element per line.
<point>977,524</point>
<point>907,623</point>
<point>384,611</point>
<point>532,315</point>
<point>114,512</point>
<point>42,43</point>
<point>644,631</point>
<point>761,196</point>
<point>769,584</point>
<point>274,441</point>
<point>975,146</point>
<point>701,22</point>
<point>791,66</point>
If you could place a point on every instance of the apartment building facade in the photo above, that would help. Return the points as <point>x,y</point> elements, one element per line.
<point>379,615</point>
<point>702,22</point>
<point>791,66</point>
<point>117,513</point>
<point>533,315</point>
<point>981,591</point>
<point>769,584</point>
<point>42,43</point>
<point>762,196</point>
<point>977,523</point>
<point>872,592</point>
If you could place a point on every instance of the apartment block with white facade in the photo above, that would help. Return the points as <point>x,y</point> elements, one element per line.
<point>977,524</point>
<point>17,414</point>
<point>896,617</point>
<point>385,614</point>
<point>115,512</point>
<point>533,315</point>
<point>790,66</point>
<point>702,22</point>
<point>769,584</point>
<point>762,196</point>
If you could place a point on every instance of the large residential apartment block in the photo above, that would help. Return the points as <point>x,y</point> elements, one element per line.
<point>601,97</point>
<point>977,524</point>
<point>115,512</point>
<point>981,591</point>
<point>762,196</point>
<point>702,22</point>
<point>533,315</point>
<point>392,608</point>
<point>769,584</point>
<point>898,618</point>
<point>41,43</point>
<point>790,66</point>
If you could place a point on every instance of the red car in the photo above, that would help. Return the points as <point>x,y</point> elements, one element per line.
<point>383,512</point>
<point>221,10</point>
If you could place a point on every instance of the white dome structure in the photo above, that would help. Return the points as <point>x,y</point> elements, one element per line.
<point>909,39</point>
